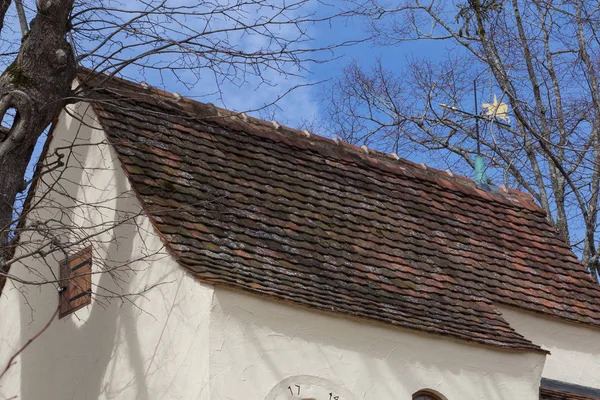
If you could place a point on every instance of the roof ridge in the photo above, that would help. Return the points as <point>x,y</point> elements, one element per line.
<point>421,167</point>
<point>516,197</point>
<point>363,149</point>
<point>504,194</point>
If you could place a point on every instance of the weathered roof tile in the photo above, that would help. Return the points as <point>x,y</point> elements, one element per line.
<point>326,225</point>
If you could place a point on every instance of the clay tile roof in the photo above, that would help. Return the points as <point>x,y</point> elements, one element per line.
<point>243,203</point>
<point>550,394</point>
<point>557,390</point>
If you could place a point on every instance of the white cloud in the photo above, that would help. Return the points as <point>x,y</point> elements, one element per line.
<point>251,91</point>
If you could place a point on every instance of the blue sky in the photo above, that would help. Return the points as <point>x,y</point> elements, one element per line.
<point>302,104</point>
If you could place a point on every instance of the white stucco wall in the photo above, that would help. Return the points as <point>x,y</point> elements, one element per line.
<point>574,348</point>
<point>259,348</point>
<point>150,346</point>
<point>185,340</point>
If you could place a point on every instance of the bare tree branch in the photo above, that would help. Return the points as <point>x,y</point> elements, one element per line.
<point>550,149</point>
<point>22,17</point>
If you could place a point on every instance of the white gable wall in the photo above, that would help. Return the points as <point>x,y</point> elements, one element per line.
<point>259,348</point>
<point>574,348</point>
<point>184,340</point>
<point>146,347</point>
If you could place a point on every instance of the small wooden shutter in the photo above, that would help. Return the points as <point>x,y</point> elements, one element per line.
<point>76,281</point>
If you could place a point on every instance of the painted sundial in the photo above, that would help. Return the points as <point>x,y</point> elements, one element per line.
<point>307,387</point>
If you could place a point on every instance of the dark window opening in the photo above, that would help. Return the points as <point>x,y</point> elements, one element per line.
<point>425,395</point>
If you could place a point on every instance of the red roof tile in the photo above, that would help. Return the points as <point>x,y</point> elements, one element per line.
<point>557,390</point>
<point>329,226</point>
<point>550,394</point>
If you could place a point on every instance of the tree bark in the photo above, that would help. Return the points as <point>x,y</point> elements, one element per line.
<point>4,5</point>
<point>37,85</point>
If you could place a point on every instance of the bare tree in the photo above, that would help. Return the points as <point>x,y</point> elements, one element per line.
<point>44,41</point>
<point>540,57</point>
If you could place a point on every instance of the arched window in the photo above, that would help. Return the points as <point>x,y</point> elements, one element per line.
<point>426,395</point>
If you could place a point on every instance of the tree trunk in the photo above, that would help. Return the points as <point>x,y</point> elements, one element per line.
<point>4,5</point>
<point>36,85</point>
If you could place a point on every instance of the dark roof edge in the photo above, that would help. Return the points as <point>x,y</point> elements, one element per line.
<point>570,388</point>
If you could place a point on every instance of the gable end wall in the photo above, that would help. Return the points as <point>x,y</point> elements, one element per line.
<point>574,348</point>
<point>150,346</point>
